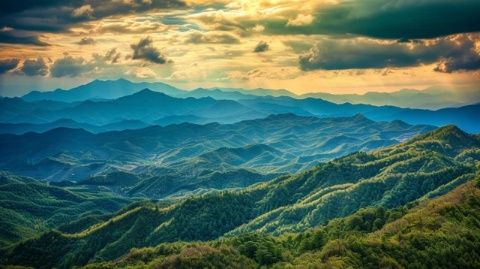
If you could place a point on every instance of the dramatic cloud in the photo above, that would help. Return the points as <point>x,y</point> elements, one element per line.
<point>144,50</point>
<point>390,19</point>
<point>469,60</point>
<point>453,54</point>
<point>211,38</point>
<point>86,41</point>
<point>16,37</point>
<point>261,47</point>
<point>34,67</point>
<point>69,66</point>
<point>352,43</point>
<point>59,16</point>
<point>7,65</point>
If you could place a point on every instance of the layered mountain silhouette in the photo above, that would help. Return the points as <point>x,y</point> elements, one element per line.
<point>99,89</point>
<point>154,107</point>
<point>430,98</point>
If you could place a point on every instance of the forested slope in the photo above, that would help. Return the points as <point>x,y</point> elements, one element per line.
<point>419,169</point>
<point>439,233</point>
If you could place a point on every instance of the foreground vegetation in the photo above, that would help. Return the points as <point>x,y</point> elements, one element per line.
<point>440,233</point>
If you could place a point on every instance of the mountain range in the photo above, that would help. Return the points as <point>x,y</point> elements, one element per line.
<point>429,98</point>
<point>153,107</point>
<point>186,157</point>
<point>119,174</point>
<point>422,168</point>
<point>99,89</point>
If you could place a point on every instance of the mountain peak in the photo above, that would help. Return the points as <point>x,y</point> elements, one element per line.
<point>147,96</point>
<point>448,130</point>
<point>451,135</point>
<point>147,92</point>
<point>360,117</point>
<point>122,80</point>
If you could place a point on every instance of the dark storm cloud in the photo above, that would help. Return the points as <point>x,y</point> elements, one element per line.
<point>86,41</point>
<point>452,54</point>
<point>8,64</point>
<point>458,64</point>
<point>144,50</point>
<point>467,59</point>
<point>388,19</point>
<point>58,16</point>
<point>13,37</point>
<point>69,66</point>
<point>7,7</point>
<point>262,46</point>
<point>34,67</point>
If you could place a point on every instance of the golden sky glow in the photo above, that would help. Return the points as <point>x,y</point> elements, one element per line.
<point>302,46</point>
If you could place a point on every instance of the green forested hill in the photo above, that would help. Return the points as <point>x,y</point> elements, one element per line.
<point>29,207</point>
<point>439,233</point>
<point>424,167</point>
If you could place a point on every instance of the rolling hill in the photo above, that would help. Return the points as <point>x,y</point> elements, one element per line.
<point>29,207</point>
<point>422,168</point>
<point>191,152</point>
<point>441,232</point>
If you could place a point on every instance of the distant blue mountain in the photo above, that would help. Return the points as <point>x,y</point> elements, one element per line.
<point>100,89</point>
<point>430,98</point>
<point>465,117</point>
<point>275,144</point>
<point>151,107</point>
<point>113,89</point>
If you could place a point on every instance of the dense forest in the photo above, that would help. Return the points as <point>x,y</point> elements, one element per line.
<point>440,233</point>
<point>361,210</point>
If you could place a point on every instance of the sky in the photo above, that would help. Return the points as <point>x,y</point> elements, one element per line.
<point>334,46</point>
